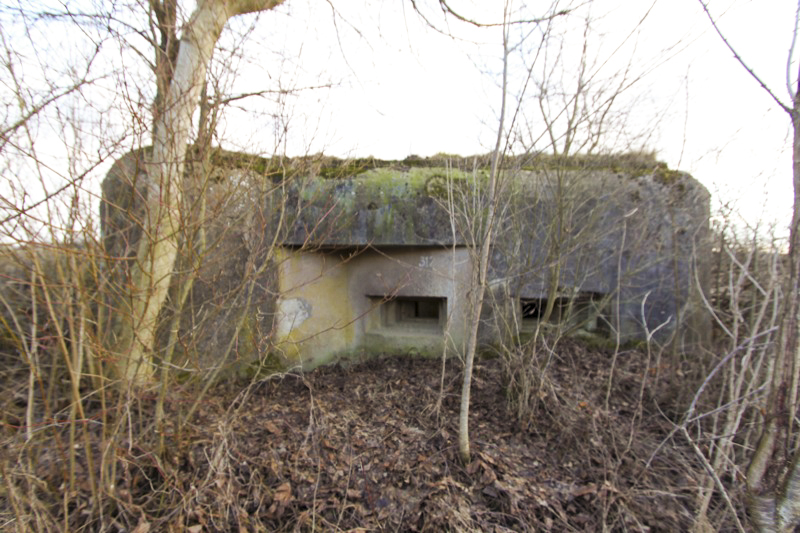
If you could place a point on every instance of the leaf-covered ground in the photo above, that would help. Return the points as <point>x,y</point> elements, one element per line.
<point>364,448</point>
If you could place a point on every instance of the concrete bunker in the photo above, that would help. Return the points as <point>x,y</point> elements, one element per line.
<point>375,258</point>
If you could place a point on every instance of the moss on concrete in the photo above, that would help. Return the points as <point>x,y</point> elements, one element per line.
<point>418,345</point>
<point>269,365</point>
<point>331,168</point>
<point>382,206</point>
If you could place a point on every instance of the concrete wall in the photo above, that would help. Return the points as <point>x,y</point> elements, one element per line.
<point>638,239</point>
<point>336,303</point>
<point>314,317</point>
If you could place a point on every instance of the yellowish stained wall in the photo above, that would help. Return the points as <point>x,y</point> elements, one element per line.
<point>330,303</point>
<point>313,313</point>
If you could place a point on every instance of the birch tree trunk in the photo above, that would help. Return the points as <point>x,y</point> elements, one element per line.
<point>158,247</point>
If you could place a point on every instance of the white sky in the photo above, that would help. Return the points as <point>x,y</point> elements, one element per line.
<point>400,88</point>
<point>406,89</point>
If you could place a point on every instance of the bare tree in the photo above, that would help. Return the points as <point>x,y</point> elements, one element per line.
<point>548,116</point>
<point>485,243</point>
<point>773,477</point>
<point>151,273</point>
<point>483,233</point>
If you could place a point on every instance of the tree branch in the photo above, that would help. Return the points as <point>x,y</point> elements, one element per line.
<point>792,93</point>
<point>447,9</point>
<point>241,96</point>
<point>741,61</point>
<point>242,7</point>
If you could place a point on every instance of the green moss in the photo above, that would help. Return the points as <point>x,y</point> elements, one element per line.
<point>665,176</point>
<point>331,168</point>
<point>240,160</point>
<point>338,169</point>
<point>386,184</point>
<point>629,163</point>
<point>269,365</point>
<point>419,346</point>
<point>596,342</point>
<point>247,347</point>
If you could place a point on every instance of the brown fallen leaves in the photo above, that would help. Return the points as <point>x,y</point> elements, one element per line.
<point>360,448</point>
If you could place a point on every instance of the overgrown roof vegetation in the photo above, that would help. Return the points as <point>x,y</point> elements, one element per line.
<point>329,167</point>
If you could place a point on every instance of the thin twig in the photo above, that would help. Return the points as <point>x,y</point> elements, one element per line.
<point>741,61</point>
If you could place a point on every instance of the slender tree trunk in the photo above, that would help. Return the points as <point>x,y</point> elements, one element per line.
<point>777,509</point>
<point>483,269</point>
<point>158,248</point>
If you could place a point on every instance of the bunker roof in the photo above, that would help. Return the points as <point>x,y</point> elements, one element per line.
<point>415,201</point>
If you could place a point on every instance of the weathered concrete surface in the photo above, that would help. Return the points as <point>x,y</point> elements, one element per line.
<point>401,206</point>
<point>356,249</point>
<point>331,303</point>
<point>636,236</point>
